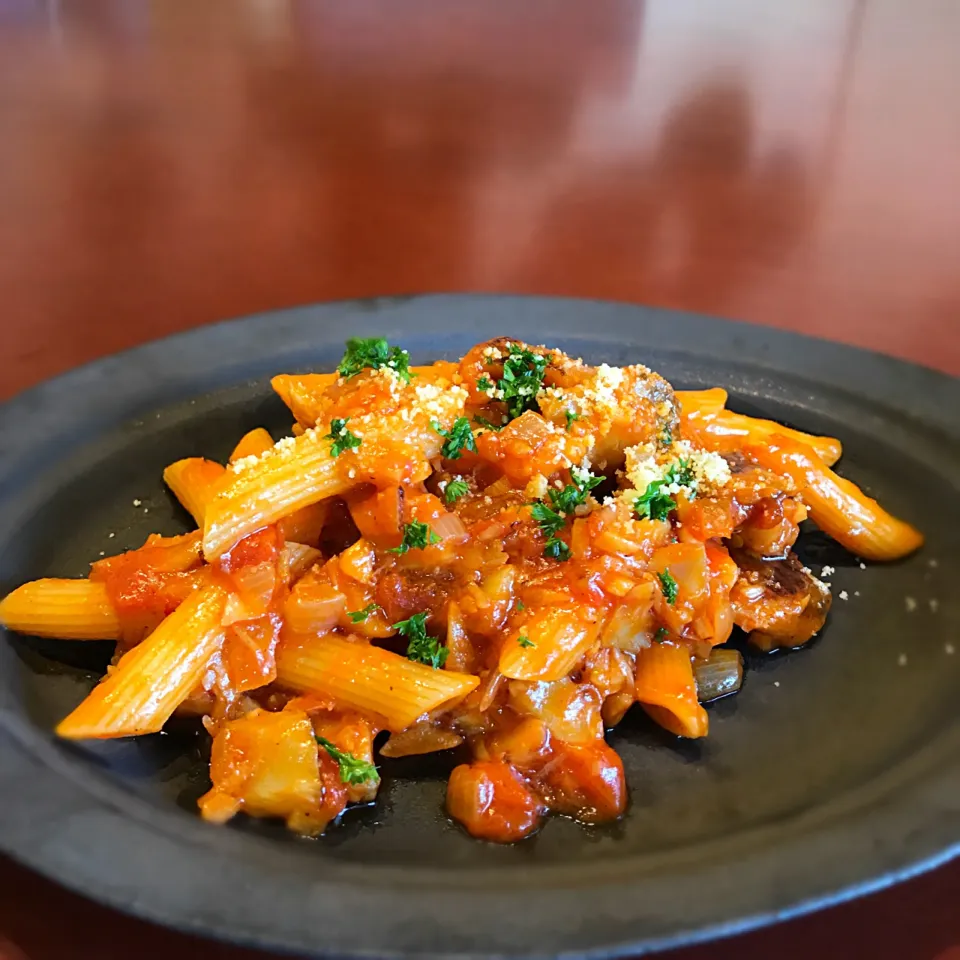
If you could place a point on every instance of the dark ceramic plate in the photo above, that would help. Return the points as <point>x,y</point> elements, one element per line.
<point>834,772</point>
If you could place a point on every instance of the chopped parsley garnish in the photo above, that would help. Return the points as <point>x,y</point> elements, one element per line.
<point>352,769</point>
<point>521,606</point>
<point>525,641</point>
<point>359,616</point>
<point>551,523</point>
<point>565,502</point>
<point>416,536</point>
<point>421,648</point>
<point>680,473</point>
<point>484,422</point>
<point>454,490</point>
<point>669,585</point>
<point>660,635</point>
<point>373,353</point>
<point>574,495</point>
<point>459,438</point>
<point>556,549</point>
<point>571,415</point>
<point>522,379</point>
<point>342,438</point>
<point>484,384</point>
<point>666,437</point>
<point>655,502</point>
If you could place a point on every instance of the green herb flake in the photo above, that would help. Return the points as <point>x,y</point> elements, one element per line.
<point>416,536</point>
<point>551,523</point>
<point>484,384</point>
<point>666,435</point>
<point>574,495</point>
<point>653,504</point>
<point>556,549</point>
<point>670,586</point>
<point>571,415</point>
<point>522,380</point>
<point>352,769</point>
<point>374,353</point>
<point>342,438</point>
<point>359,616</point>
<point>421,648</point>
<point>459,438</point>
<point>525,641</point>
<point>521,606</point>
<point>661,635</point>
<point>680,473</point>
<point>454,490</point>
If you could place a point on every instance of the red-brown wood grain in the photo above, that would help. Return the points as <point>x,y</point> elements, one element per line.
<point>169,163</point>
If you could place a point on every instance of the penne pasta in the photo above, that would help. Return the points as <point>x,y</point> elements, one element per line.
<point>68,609</point>
<point>306,394</point>
<point>666,689</point>
<point>726,430</point>
<point>369,679</point>
<point>152,680</point>
<point>252,444</point>
<point>538,544</point>
<point>193,482</point>
<point>837,506</point>
<point>701,402</point>
<point>277,486</point>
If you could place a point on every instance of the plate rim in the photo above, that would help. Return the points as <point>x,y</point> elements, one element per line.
<point>746,343</point>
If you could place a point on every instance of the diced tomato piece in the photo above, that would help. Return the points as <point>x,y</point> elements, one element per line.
<point>261,547</point>
<point>586,782</point>
<point>492,802</point>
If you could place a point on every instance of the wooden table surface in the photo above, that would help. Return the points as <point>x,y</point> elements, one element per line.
<point>171,163</point>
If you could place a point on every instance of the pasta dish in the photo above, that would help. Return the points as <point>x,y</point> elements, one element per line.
<point>502,555</point>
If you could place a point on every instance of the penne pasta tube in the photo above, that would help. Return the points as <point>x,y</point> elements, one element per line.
<point>301,471</point>
<point>548,646</point>
<point>297,476</point>
<point>252,444</point>
<point>305,393</point>
<point>726,430</point>
<point>666,689</point>
<point>141,692</point>
<point>193,482</point>
<point>837,506</point>
<point>701,402</point>
<point>65,609</point>
<point>369,679</point>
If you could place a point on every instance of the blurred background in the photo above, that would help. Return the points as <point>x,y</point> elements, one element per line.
<point>170,163</point>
